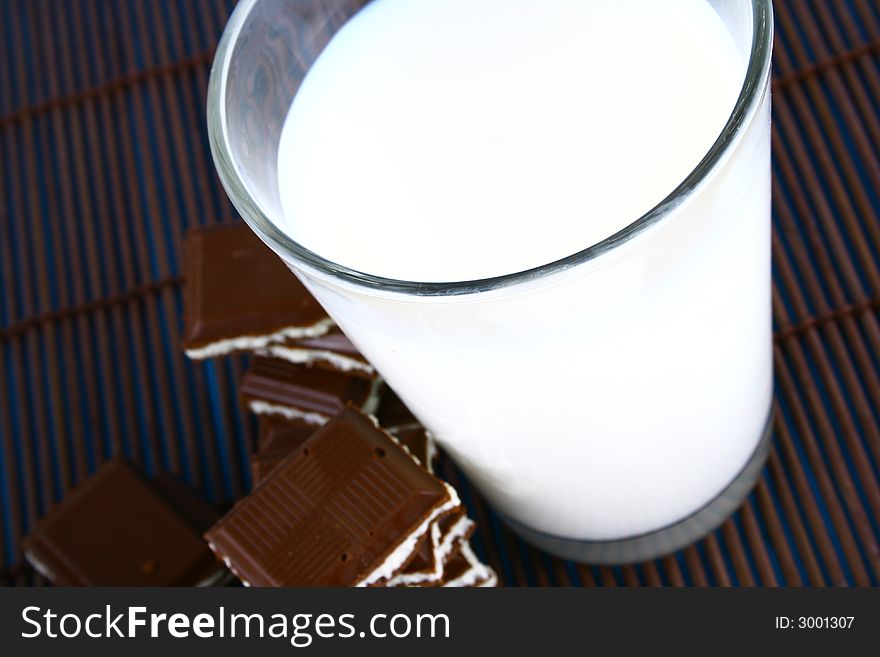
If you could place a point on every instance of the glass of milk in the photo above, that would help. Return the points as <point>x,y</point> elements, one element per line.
<point>547,224</point>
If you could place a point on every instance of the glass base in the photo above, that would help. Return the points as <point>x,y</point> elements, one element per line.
<point>668,539</point>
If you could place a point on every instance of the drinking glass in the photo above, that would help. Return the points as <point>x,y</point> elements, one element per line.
<point>613,405</point>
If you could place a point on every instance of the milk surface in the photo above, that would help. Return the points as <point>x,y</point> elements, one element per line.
<point>448,140</point>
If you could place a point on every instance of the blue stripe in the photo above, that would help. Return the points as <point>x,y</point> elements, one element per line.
<point>746,546</point>
<point>29,394</point>
<point>142,434</point>
<point>682,566</point>
<point>208,484</point>
<point>5,484</point>
<point>15,99</point>
<point>789,534</point>
<point>32,94</point>
<point>704,562</point>
<point>219,430</point>
<point>818,501</point>
<point>105,430</point>
<point>497,537</point>
<point>525,562</point>
<point>169,349</point>
<point>239,436</point>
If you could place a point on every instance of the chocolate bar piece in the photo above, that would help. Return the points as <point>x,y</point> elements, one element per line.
<point>345,509</point>
<point>433,551</point>
<point>239,295</point>
<point>463,569</point>
<point>116,530</point>
<point>296,392</point>
<point>333,351</point>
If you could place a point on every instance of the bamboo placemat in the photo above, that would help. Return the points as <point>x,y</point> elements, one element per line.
<point>104,162</point>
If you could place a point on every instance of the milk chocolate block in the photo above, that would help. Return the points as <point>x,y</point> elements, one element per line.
<point>240,296</point>
<point>297,392</point>
<point>117,530</point>
<point>462,569</point>
<point>433,551</point>
<point>333,351</point>
<point>345,509</point>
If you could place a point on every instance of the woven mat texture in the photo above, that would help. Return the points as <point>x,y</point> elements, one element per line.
<point>104,163</point>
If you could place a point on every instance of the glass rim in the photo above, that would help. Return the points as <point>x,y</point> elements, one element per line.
<point>756,81</point>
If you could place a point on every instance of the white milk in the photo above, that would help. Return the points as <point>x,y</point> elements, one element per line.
<point>450,140</point>
<point>474,139</point>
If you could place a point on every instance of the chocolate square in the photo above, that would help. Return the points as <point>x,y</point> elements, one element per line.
<point>334,513</point>
<point>278,387</point>
<point>116,530</point>
<point>236,287</point>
